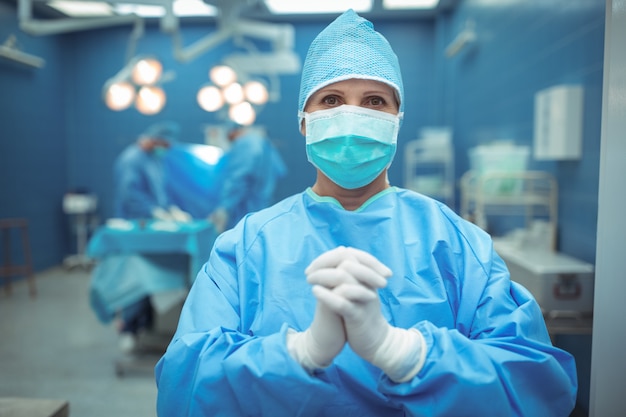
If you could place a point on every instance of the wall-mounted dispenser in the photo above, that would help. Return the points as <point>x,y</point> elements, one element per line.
<point>558,123</point>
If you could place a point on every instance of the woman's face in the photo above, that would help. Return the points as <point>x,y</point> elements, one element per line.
<point>364,93</point>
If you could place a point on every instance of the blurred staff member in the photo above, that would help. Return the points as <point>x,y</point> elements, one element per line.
<point>252,169</point>
<point>140,179</point>
<point>141,193</point>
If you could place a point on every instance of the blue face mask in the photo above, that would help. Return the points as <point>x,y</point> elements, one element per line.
<point>351,145</point>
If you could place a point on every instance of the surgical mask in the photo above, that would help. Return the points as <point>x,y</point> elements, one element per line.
<point>159,152</point>
<point>351,145</point>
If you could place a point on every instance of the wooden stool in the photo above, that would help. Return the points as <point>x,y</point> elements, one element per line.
<point>8,269</point>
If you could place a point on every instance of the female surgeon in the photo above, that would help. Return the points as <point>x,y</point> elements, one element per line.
<point>357,298</point>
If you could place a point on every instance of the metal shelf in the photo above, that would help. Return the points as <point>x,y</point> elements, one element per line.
<point>429,168</point>
<point>530,194</point>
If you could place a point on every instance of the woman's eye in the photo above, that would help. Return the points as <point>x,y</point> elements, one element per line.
<point>330,100</point>
<point>376,101</point>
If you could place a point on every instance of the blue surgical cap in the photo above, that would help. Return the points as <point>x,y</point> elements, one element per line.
<point>163,130</point>
<point>349,48</point>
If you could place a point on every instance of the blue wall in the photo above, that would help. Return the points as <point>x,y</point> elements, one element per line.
<point>488,93</point>
<point>523,48</point>
<point>33,142</point>
<point>56,134</point>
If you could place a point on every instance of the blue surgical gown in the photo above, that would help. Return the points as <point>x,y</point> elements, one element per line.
<point>193,177</point>
<point>252,169</point>
<point>140,184</point>
<point>489,353</point>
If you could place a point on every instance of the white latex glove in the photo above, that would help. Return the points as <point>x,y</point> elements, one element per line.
<point>180,215</point>
<point>219,218</point>
<point>317,346</point>
<point>400,353</point>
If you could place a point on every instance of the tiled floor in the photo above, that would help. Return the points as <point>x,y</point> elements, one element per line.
<point>53,346</point>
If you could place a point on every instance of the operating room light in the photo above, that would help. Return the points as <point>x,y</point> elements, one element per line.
<point>147,71</point>
<point>138,81</point>
<point>150,100</point>
<point>256,92</point>
<point>119,96</point>
<point>225,90</point>
<point>210,98</point>
<point>233,94</point>
<point>222,75</point>
<point>242,113</point>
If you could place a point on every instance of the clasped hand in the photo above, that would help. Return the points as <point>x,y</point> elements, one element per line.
<point>345,282</point>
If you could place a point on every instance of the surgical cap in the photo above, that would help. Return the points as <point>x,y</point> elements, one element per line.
<point>349,48</point>
<point>163,130</point>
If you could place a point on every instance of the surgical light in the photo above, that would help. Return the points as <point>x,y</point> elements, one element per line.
<point>256,92</point>
<point>242,113</point>
<point>233,94</point>
<point>210,98</point>
<point>240,100</point>
<point>119,96</point>
<point>150,100</point>
<point>222,75</point>
<point>147,71</point>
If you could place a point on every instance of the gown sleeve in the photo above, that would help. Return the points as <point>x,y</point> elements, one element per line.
<point>212,368</point>
<point>503,363</point>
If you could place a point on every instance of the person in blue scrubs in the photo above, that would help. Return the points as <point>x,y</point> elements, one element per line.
<point>140,183</point>
<point>141,193</point>
<point>355,297</point>
<point>253,167</point>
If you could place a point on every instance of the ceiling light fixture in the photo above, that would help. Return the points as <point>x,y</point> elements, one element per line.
<point>181,8</point>
<point>242,113</point>
<point>82,8</point>
<point>222,75</point>
<point>147,71</point>
<point>227,89</point>
<point>317,6</point>
<point>410,4</point>
<point>256,92</point>
<point>150,100</point>
<point>139,83</point>
<point>210,98</point>
<point>119,95</point>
